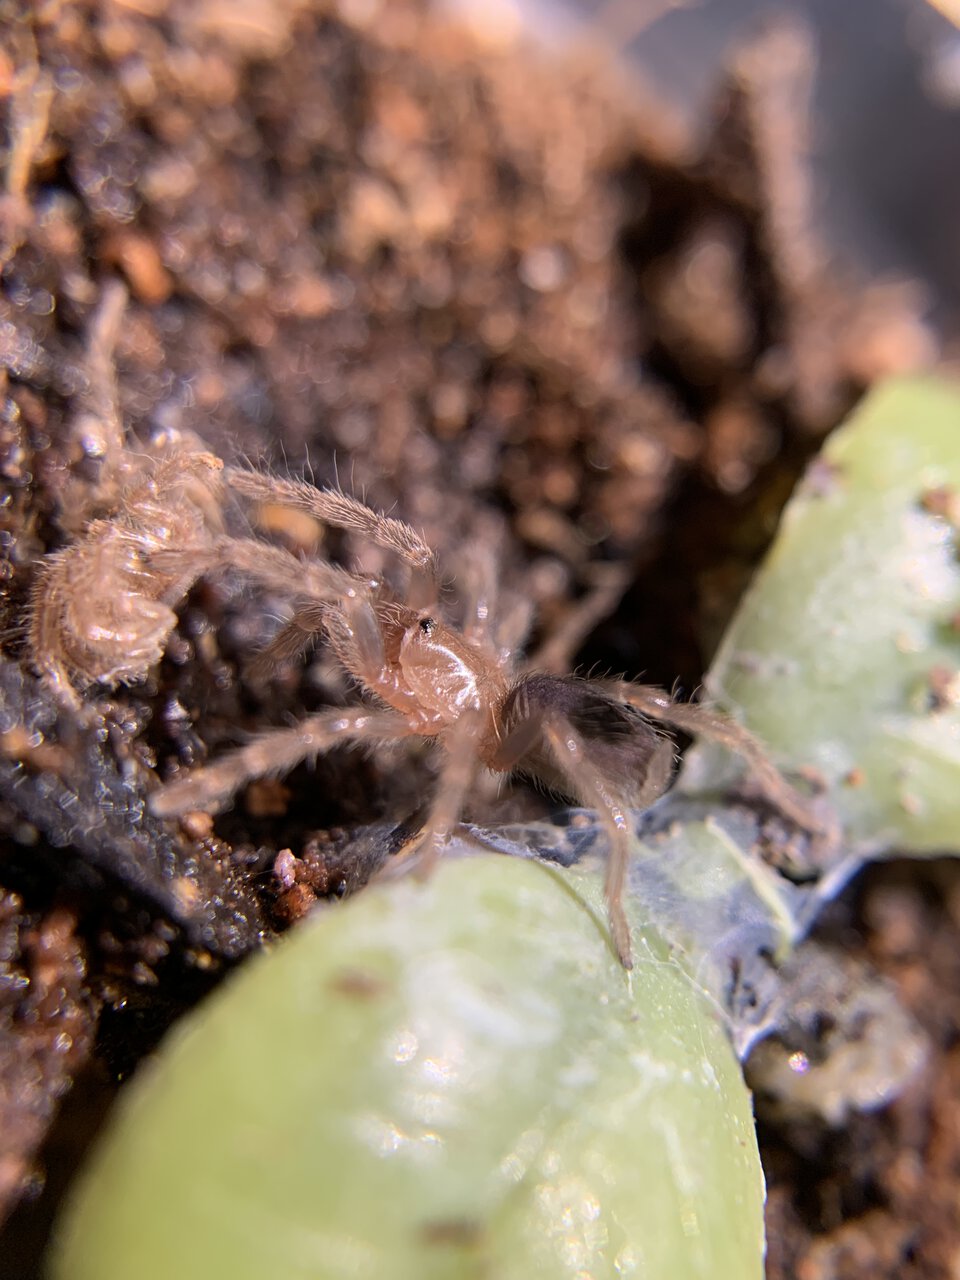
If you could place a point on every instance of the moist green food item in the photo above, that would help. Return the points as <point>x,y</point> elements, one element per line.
<point>450,1079</point>
<point>844,656</point>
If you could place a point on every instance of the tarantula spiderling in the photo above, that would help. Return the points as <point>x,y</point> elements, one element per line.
<point>458,685</point>
<point>151,525</point>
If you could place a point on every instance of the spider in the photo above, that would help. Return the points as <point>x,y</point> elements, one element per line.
<point>459,686</point>
<point>102,610</point>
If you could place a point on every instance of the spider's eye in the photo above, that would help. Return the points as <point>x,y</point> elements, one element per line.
<point>427,626</point>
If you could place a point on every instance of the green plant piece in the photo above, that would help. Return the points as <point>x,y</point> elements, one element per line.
<point>451,1079</point>
<point>844,655</point>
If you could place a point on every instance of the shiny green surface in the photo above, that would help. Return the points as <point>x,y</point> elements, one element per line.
<point>852,626</point>
<point>451,1079</point>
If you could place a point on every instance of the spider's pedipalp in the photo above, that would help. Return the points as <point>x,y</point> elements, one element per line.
<point>293,639</point>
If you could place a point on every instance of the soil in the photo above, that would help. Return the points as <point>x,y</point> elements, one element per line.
<point>498,294</point>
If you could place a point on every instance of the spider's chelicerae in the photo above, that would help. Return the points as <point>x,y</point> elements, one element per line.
<point>458,685</point>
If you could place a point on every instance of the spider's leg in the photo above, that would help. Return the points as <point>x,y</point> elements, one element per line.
<point>269,566</point>
<point>291,641</point>
<point>343,512</point>
<point>513,625</point>
<point>697,720</point>
<point>101,409</point>
<point>585,781</point>
<point>567,749</point>
<point>274,753</point>
<point>557,653</point>
<point>478,590</point>
<point>455,780</point>
<point>47,607</point>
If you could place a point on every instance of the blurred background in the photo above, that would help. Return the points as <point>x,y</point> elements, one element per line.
<point>885,110</point>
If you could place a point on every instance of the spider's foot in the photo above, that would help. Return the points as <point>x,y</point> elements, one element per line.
<point>419,857</point>
<point>620,932</point>
<point>427,854</point>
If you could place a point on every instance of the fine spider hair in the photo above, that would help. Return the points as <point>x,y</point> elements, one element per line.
<point>458,684</point>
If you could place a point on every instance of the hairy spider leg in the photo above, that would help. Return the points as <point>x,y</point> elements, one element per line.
<point>48,609</point>
<point>478,589</point>
<point>457,774</point>
<point>312,583</point>
<point>274,753</point>
<point>567,748</point>
<point>269,566</point>
<point>697,720</point>
<point>586,782</point>
<point>354,633</point>
<point>101,410</point>
<point>557,653</point>
<point>337,509</point>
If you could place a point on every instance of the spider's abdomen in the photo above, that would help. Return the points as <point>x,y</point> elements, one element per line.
<point>618,745</point>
